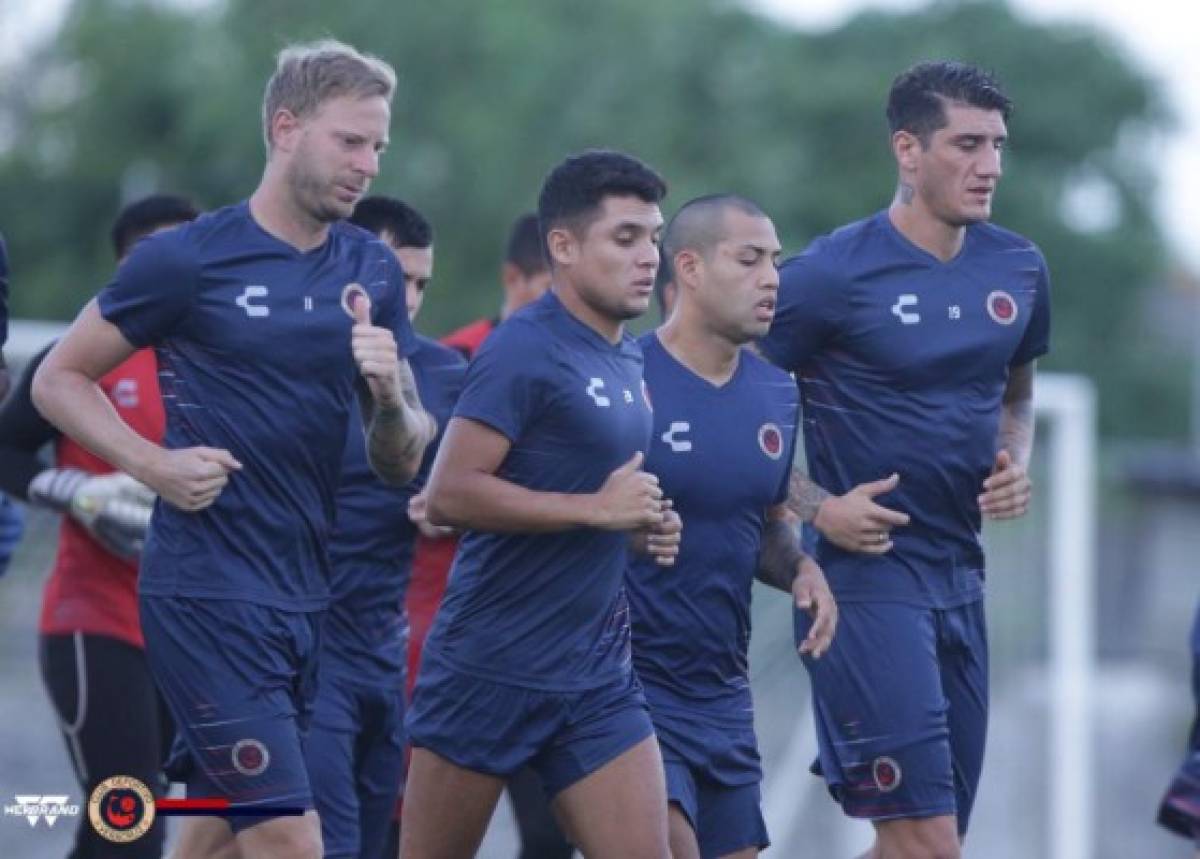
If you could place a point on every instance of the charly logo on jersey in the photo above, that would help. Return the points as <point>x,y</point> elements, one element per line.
<point>595,386</point>
<point>250,757</point>
<point>901,309</point>
<point>1001,307</point>
<point>125,393</point>
<point>674,436</point>
<point>770,439</point>
<point>35,807</point>
<point>247,298</point>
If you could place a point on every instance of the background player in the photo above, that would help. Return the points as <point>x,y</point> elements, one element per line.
<point>525,277</point>
<point>264,317</point>
<point>725,424</point>
<point>528,660</point>
<point>914,334</point>
<point>91,650</point>
<point>355,751</point>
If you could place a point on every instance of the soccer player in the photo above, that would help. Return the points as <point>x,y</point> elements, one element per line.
<point>914,335</point>
<point>528,659</point>
<point>355,750</point>
<point>267,316</point>
<point>525,276</point>
<point>91,649</point>
<point>725,424</point>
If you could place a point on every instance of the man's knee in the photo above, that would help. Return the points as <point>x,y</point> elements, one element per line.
<point>283,838</point>
<point>927,838</point>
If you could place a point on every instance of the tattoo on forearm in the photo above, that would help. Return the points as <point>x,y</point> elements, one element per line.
<point>408,386</point>
<point>395,442</point>
<point>1017,419</point>
<point>804,496</point>
<point>779,556</point>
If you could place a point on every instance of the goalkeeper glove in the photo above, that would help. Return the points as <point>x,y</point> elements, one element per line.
<point>113,508</point>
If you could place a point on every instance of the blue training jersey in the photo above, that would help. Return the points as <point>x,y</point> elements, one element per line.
<point>547,611</point>
<point>723,455</point>
<point>371,549</point>
<point>254,356</point>
<point>902,362</point>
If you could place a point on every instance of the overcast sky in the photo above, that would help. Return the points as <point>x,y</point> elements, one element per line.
<point>1153,34</point>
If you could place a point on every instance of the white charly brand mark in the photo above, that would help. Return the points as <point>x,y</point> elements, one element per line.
<point>955,311</point>
<point>33,807</point>
<point>254,311</point>
<point>678,445</point>
<point>595,386</point>
<point>125,393</point>
<point>900,309</point>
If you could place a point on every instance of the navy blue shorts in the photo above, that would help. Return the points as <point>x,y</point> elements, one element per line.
<point>355,757</point>
<point>901,704</point>
<point>240,680</point>
<point>713,770</point>
<point>1180,808</point>
<point>498,729</point>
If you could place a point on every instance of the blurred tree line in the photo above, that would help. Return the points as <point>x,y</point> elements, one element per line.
<point>132,96</point>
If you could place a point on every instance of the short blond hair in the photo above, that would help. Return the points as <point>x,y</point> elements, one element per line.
<point>307,75</point>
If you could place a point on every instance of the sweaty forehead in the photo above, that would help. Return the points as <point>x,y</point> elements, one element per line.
<point>629,210</point>
<point>967,119</point>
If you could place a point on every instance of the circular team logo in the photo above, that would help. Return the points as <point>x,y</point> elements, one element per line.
<point>770,439</point>
<point>1001,307</point>
<point>250,757</point>
<point>886,773</point>
<point>349,293</point>
<point>121,809</point>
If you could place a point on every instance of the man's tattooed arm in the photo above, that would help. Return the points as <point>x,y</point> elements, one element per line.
<point>397,434</point>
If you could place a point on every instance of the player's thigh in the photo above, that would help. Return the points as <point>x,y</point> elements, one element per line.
<point>619,811</point>
<point>963,652</point>
<point>924,838</point>
<point>446,808</point>
<point>283,838</point>
<point>680,834</point>
<point>882,714</point>
<point>205,838</point>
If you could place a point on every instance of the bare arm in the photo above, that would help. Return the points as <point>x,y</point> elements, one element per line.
<point>1007,491</point>
<point>783,565</point>
<point>65,392</point>
<point>779,554</point>
<point>464,491</point>
<point>397,432</point>
<point>1016,416</point>
<point>804,496</point>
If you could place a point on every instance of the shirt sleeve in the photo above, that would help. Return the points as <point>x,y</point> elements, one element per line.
<point>153,289</point>
<point>809,311</point>
<point>1036,341</point>
<point>505,388</point>
<point>23,432</point>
